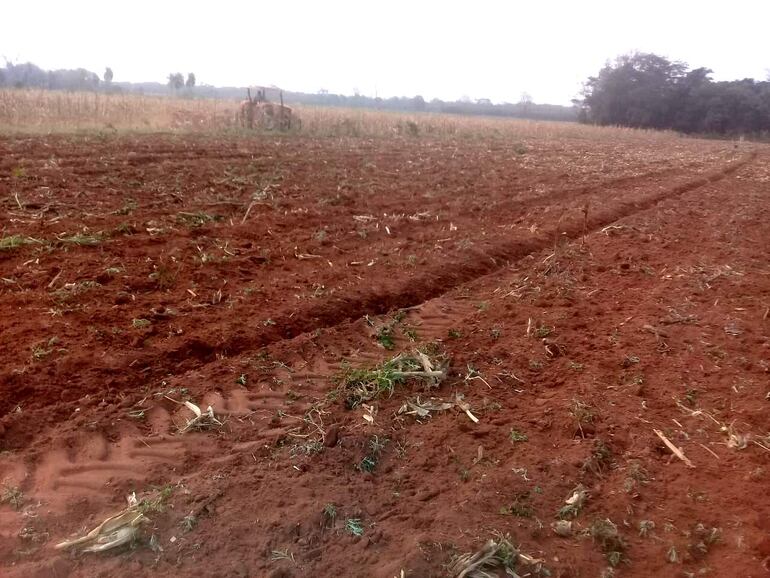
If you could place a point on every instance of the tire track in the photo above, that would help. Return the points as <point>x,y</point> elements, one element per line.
<point>435,281</point>
<point>92,464</point>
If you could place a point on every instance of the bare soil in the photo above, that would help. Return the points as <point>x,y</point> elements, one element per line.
<point>585,292</point>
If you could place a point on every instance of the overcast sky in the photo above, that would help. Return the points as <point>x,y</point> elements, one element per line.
<point>444,49</point>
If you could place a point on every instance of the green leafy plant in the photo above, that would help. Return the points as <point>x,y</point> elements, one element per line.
<point>367,464</point>
<point>605,533</point>
<point>521,506</point>
<point>156,502</point>
<point>330,511</point>
<point>385,338</point>
<point>15,241</point>
<point>543,331</point>
<point>600,459</point>
<point>376,446</point>
<point>354,526</point>
<point>188,523</point>
<point>362,385</point>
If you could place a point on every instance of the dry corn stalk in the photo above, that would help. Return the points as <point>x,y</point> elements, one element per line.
<point>113,532</point>
<point>202,419</point>
<point>494,556</point>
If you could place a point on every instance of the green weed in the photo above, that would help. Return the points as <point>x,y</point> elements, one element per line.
<point>156,503</point>
<point>354,526</point>
<point>376,446</point>
<point>385,338</point>
<point>543,331</point>
<point>129,206</point>
<point>196,219</point>
<point>520,507</point>
<point>573,504</point>
<point>82,239</point>
<point>10,242</point>
<point>605,533</point>
<point>364,384</point>
<point>330,511</point>
<point>600,459</point>
<point>188,523</point>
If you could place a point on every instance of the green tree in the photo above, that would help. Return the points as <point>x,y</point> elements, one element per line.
<point>190,82</point>
<point>175,80</point>
<point>108,76</point>
<point>636,90</point>
<point>649,91</point>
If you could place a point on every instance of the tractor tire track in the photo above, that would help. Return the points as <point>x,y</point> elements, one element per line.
<point>437,280</point>
<point>202,347</point>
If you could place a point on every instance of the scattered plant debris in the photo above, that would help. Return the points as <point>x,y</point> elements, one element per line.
<point>521,506</point>
<point>202,420</point>
<point>497,555</point>
<point>423,409</point>
<point>562,528</point>
<point>197,219</point>
<point>605,533</point>
<point>573,504</point>
<point>15,241</point>
<point>13,496</point>
<point>362,385</point>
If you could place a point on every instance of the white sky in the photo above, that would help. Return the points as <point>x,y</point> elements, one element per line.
<point>445,49</point>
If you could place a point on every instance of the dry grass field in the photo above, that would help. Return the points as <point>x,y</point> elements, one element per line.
<point>410,346</point>
<point>36,111</point>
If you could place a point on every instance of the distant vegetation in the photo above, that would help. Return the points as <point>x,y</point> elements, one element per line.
<point>525,108</point>
<point>636,90</point>
<point>29,75</point>
<point>649,91</point>
<point>40,110</point>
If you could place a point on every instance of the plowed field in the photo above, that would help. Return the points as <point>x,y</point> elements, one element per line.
<point>594,307</point>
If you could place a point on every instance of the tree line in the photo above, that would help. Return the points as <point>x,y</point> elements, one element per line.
<point>638,90</point>
<point>644,90</point>
<point>29,75</point>
<point>524,108</point>
<point>176,81</point>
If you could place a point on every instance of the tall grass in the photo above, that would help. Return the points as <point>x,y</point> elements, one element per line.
<point>26,110</point>
<point>330,121</point>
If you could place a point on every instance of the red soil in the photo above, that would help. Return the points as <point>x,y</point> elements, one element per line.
<point>645,262</point>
